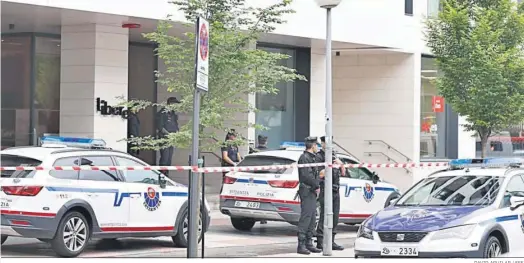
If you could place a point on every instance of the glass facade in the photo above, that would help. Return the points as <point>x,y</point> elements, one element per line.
<point>277,111</point>
<point>432,121</point>
<point>30,88</point>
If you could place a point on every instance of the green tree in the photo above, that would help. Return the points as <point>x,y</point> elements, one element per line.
<point>478,48</point>
<point>236,68</point>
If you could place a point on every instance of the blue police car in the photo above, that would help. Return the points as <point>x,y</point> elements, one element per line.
<point>473,209</point>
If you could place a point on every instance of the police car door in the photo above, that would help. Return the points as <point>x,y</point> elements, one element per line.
<point>514,228</point>
<point>151,209</point>
<point>363,196</point>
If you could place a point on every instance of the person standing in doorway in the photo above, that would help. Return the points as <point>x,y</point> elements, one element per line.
<point>133,130</point>
<point>230,154</point>
<point>307,190</point>
<point>321,158</point>
<point>262,143</point>
<point>167,123</point>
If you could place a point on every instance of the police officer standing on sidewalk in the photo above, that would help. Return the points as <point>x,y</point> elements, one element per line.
<point>308,189</point>
<point>321,158</point>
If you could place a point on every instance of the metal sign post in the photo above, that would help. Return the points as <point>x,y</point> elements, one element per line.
<point>201,85</point>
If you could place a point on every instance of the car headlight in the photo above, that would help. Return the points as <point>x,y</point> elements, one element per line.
<point>365,232</point>
<point>460,232</point>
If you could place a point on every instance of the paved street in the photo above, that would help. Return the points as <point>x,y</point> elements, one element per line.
<point>270,240</point>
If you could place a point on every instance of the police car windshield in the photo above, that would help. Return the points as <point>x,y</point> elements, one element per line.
<point>452,191</point>
<point>15,160</point>
<point>260,160</point>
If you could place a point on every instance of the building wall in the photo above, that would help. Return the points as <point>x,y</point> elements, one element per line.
<point>377,22</point>
<point>375,97</point>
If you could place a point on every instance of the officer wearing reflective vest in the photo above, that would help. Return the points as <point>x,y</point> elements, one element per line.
<point>307,190</point>
<point>337,172</point>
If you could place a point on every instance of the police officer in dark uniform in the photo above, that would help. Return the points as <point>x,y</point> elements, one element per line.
<point>309,184</point>
<point>167,121</point>
<point>321,158</point>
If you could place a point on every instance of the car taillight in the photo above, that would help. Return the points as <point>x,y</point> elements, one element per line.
<point>22,190</point>
<point>229,180</point>
<point>283,184</point>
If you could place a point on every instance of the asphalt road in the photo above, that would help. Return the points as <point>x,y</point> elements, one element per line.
<point>222,240</point>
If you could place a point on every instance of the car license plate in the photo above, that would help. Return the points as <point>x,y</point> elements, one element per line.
<point>247,204</point>
<point>403,251</point>
<point>5,203</point>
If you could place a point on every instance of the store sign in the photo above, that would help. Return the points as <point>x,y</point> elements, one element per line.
<point>106,110</point>
<point>438,104</point>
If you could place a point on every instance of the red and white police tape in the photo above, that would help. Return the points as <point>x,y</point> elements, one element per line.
<point>219,169</point>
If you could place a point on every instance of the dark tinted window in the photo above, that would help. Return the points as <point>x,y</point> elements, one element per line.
<point>144,177</point>
<point>258,160</point>
<point>73,175</point>
<point>357,173</point>
<point>97,175</point>
<point>408,7</point>
<point>15,160</point>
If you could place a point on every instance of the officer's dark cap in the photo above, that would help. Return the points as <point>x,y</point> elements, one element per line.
<point>323,138</point>
<point>311,139</point>
<point>262,138</point>
<point>172,100</point>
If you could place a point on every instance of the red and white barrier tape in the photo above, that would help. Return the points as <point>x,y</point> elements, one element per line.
<point>218,169</point>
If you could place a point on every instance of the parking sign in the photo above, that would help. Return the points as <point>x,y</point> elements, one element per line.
<point>202,54</point>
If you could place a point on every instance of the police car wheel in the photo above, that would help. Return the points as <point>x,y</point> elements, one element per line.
<point>4,238</point>
<point>181,237</point>
<point>243,224</point>
<point>492,248</point>
<point>72,235</point>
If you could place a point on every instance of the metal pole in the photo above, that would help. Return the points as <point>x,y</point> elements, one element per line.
<point>328,181</point>
<point>189,198</point>
<point>203,198</point>
<point>194,196</point>
<point>194,184</point>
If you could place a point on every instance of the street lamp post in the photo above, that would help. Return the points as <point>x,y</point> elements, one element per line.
<point>328,180</point>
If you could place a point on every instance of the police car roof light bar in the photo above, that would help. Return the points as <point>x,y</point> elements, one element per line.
<point>296,146</point>
<point>85,143</point>
<point>486,162</point>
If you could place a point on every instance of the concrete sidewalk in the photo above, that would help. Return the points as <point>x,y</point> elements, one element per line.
<point>346,253</point>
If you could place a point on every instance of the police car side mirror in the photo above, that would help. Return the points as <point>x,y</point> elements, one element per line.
<point>375,178</point>
<point>516,202</point>
<point>162,181</point>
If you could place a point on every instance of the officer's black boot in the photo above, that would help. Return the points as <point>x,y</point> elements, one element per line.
<point>310,247</point>
<point>320,241</point>
<point>301,249</point>
<point>336,246</point>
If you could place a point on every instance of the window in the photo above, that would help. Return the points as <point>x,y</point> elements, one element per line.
<point>46,98</point>
<point>277,111</point>
<point>142,177</point>
<point>408,7</point>
<point>16,91</point>
<point>515,188</point>
<point>15,160</point>
<point>453,190</point>
<point>357,173</point>
<point>71,175</point>
<point>110,176</point>
<point>257,160</point>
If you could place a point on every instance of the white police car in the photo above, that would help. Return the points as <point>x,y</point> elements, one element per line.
<point>68,208</point>
<point>271,195</point>
<point>464,211</point>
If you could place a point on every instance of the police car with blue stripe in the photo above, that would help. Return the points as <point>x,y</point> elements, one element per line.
<point>66,208</point>
<point>474,209</point>
<point>271,195</point>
